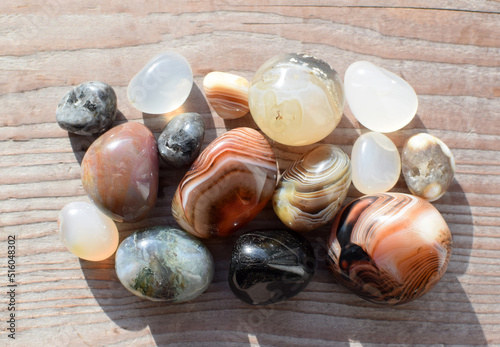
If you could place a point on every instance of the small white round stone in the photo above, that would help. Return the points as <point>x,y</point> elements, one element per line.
<point>375,162</point>
<point>162,85</point>
<point>379,99</point>
<point>87,232</point>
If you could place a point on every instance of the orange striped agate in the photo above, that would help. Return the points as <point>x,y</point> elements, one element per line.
<point>227,186</point>
<point>227,93</point>
<point>389,248</point>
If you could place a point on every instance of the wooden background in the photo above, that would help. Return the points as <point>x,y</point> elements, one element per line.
<point>450,54</point>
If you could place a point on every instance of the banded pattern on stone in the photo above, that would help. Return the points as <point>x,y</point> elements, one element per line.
<point>313,188</point>
<point>227,93</point>
<point>389,248</point>
<point>227,186</point>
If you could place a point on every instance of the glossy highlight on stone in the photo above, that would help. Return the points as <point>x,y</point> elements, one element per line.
<point>164,264</point>
<point>428,166</point>
<point>296,99</point>
<point>120,172</point>
<point>162,85</point>
<point>227,93</point>
<point>87,232</point>
<point>270,266</point>
<point>230,182</point>
<point>312,190</point>
<point>389,248</point>
<point>87,109</point>
<point>180,141</point>
<point>376,164</point>
<point>379,99</point>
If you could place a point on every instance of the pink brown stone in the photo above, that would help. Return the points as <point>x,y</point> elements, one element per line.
<point>120,172</point>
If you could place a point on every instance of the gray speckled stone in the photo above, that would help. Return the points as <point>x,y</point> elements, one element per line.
<point>87,109</point>
<point>180,142</point>
<point>164,264</point>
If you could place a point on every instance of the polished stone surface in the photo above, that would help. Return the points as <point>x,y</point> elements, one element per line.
<point>120,172</point>
<point>87,232</point>
<point>164,264</point>
<point>180,142</point>
<point>230,182</point>
<point>296,99</point>
<point>428,166</point>
<point>376,164</point>
<point>379,99</point>
<point>227,93</point>
<point>312,189</point>
<point>389,248</point>
<point>162,85</point>
<point>87,109</point>
<point>270,266</point>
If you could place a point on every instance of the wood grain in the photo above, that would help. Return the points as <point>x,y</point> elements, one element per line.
<point>448,51</point>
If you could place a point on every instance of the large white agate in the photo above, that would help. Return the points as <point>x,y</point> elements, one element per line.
<point>87,232</point>
<point>162,85</point>
<point>379,99</point>
<point>375,162</point>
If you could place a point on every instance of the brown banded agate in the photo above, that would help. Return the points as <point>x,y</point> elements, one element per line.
<point>227,186</point>
<point>389,248</point>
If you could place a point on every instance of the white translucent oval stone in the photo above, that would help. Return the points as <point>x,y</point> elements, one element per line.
<point>87,232</point>
<point>379,99</point>
<point>162,85</point>
<point>375,162</point>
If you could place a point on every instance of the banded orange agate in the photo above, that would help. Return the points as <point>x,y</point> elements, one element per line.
<point>227,93</point>
<point>227,186</point>
<point>389,248</point>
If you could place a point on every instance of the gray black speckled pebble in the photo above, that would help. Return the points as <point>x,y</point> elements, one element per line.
<point>87,109</point>
<point>180,142</point>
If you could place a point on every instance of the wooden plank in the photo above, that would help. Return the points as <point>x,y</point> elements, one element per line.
<point>448,51</point>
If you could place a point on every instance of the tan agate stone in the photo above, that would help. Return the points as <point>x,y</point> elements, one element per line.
<point>227,93</point>
<point>296,99</point>
<point>428,166</point>
<point>312,189</point>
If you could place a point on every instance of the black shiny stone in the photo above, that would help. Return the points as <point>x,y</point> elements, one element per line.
<point>270,266</point>
<point>180,142</point>
<point>87,109</point>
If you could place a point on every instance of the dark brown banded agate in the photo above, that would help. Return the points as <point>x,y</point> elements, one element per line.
<point>227,186</point>
<point>389,248</point>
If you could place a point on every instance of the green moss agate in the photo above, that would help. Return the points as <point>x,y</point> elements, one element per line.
<point>164,264</point>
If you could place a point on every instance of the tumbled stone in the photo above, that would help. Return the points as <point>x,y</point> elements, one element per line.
<point>120,172</point>
<point>162,85</point>
<point>164,264</point>
<point>87,232</point>
<point>180,142</point>
<point>230,182</point>
<point>87,109</point>
<point>428,166</point>
<point>270,266</point>
<point>379,99</point>
<point>376,164</point>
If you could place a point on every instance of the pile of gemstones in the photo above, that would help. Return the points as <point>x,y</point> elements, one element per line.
<point>388,248</point>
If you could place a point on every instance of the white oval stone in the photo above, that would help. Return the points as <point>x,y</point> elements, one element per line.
<point>87,232</point>
<point>162,85</point>
<point>375,162</point>
<point>379,99</point>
